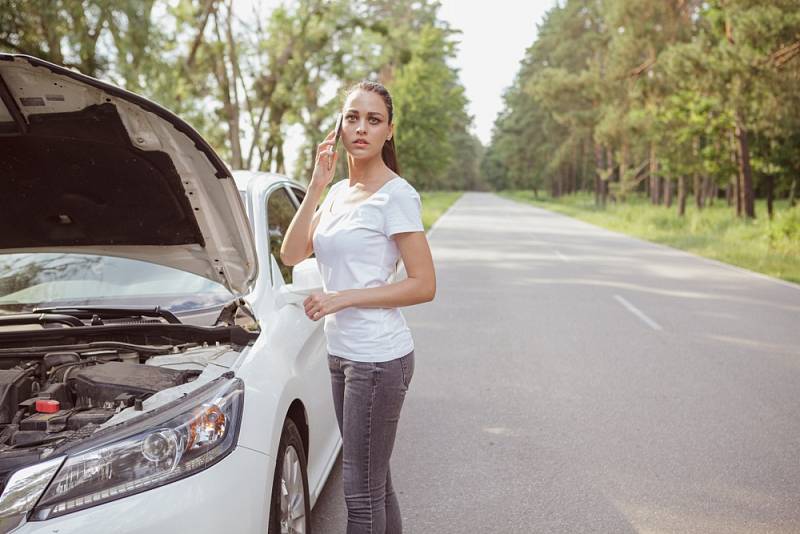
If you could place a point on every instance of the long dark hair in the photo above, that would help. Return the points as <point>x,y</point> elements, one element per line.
<point>388,152</point>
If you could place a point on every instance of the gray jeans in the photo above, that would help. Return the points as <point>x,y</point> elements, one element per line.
<point>367,398</point>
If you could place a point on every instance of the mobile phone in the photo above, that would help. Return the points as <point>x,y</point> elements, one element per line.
<point>338,133</point>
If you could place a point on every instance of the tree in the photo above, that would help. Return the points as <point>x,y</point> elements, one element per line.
<point>629,96</point>
<point>429,105</point>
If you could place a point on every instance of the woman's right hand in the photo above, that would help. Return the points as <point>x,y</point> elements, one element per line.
<point>325,164</point>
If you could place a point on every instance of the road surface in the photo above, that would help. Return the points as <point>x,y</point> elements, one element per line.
<point>572,379</point>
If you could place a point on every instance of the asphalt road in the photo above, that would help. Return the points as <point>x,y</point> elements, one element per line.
<point>571,379</point>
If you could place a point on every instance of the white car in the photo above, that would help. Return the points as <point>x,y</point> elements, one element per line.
<point>157,370</point>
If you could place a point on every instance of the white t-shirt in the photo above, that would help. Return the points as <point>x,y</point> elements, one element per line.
<point>354,250</point>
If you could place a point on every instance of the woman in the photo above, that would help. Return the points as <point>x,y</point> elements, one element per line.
<point>363,227</point>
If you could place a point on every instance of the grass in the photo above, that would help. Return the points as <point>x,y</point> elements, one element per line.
<point>761,245</point>
<point>435,203</point>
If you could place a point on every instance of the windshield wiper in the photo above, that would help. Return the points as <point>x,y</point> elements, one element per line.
<point>98,313</point>
<point>39,318</point>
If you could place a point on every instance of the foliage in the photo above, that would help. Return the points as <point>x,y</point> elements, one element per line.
<point>244,79</point>
<point>429,106</point>
<point>620,96</point>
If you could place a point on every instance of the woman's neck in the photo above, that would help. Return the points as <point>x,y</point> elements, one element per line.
<point>368,172</point>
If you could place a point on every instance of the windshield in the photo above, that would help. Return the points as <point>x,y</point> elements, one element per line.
<point>38,279</point>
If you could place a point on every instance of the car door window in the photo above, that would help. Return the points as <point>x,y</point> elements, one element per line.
<point>280,212</point>
<point>299,194</point>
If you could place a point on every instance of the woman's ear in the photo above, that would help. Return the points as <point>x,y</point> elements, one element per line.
<point>391,132</point>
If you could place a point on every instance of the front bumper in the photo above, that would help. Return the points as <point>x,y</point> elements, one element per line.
<point>230,496</point>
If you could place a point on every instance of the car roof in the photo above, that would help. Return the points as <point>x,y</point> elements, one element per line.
<point>244,177</point>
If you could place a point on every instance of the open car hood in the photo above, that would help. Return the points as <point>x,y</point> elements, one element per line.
<point>87,167</point>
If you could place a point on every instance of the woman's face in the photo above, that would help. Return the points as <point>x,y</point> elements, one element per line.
<point>365,127</point>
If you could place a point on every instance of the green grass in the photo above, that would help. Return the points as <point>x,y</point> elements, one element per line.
<point>769,247</point>
<point>434,203</point>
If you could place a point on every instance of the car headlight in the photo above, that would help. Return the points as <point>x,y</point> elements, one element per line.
<point>183,438</point>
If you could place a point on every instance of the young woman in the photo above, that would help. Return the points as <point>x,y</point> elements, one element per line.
<point>361,230</point>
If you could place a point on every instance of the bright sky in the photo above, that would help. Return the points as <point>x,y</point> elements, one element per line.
<point>494,39</point>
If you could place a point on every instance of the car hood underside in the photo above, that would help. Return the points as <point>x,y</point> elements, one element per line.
<point>87,167</point>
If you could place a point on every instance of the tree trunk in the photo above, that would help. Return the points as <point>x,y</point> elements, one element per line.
<point>578,156</point>
<point>209,8</point>
<point>623,170</point>
<point>708,195</point>
<point>230,98</point>
<point>48,17</point>
<point>735,195</point>
<point>655,182</point>
<point>609,171</point>
<point>667,192</point>
<point>681,195</point>
<point>697,187</point>
<point>598,182</point>
<point>793,193</point>
<point>573,183</point>
<point>770,194</point>
<point>255,143</point>
<point>266,158</point>
<point>745,172</point>
<point>280,166</point>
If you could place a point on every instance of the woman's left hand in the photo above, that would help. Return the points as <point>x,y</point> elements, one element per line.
<point>318,305</point>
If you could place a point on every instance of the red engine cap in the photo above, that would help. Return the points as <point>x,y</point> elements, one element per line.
<point>47,405</point>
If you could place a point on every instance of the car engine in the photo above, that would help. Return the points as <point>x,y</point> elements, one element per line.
<point>53,398</point>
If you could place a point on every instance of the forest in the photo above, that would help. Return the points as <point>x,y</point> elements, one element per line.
<point>674,100</point>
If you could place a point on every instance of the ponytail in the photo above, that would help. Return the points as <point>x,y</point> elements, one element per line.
<point>389,155</point>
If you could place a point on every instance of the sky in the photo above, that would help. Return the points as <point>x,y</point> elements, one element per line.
<point>494,39</point>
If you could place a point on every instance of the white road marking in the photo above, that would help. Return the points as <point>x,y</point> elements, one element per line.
<point>638,313</point>
<point>561,256</point>
<point>498,430</point>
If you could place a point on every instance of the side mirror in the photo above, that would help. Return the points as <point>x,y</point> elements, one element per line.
<point>305,280</point>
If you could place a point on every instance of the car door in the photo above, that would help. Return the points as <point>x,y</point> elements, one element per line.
<point>310,360</point>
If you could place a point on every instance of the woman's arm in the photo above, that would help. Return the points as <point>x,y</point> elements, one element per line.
<point>420,286</point>
<point>297,243</point>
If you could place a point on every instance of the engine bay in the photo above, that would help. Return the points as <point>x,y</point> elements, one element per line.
<point>52,397</point>
<point>41,400</point>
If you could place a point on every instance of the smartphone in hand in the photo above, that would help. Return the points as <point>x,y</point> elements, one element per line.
<point>338,133</point>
